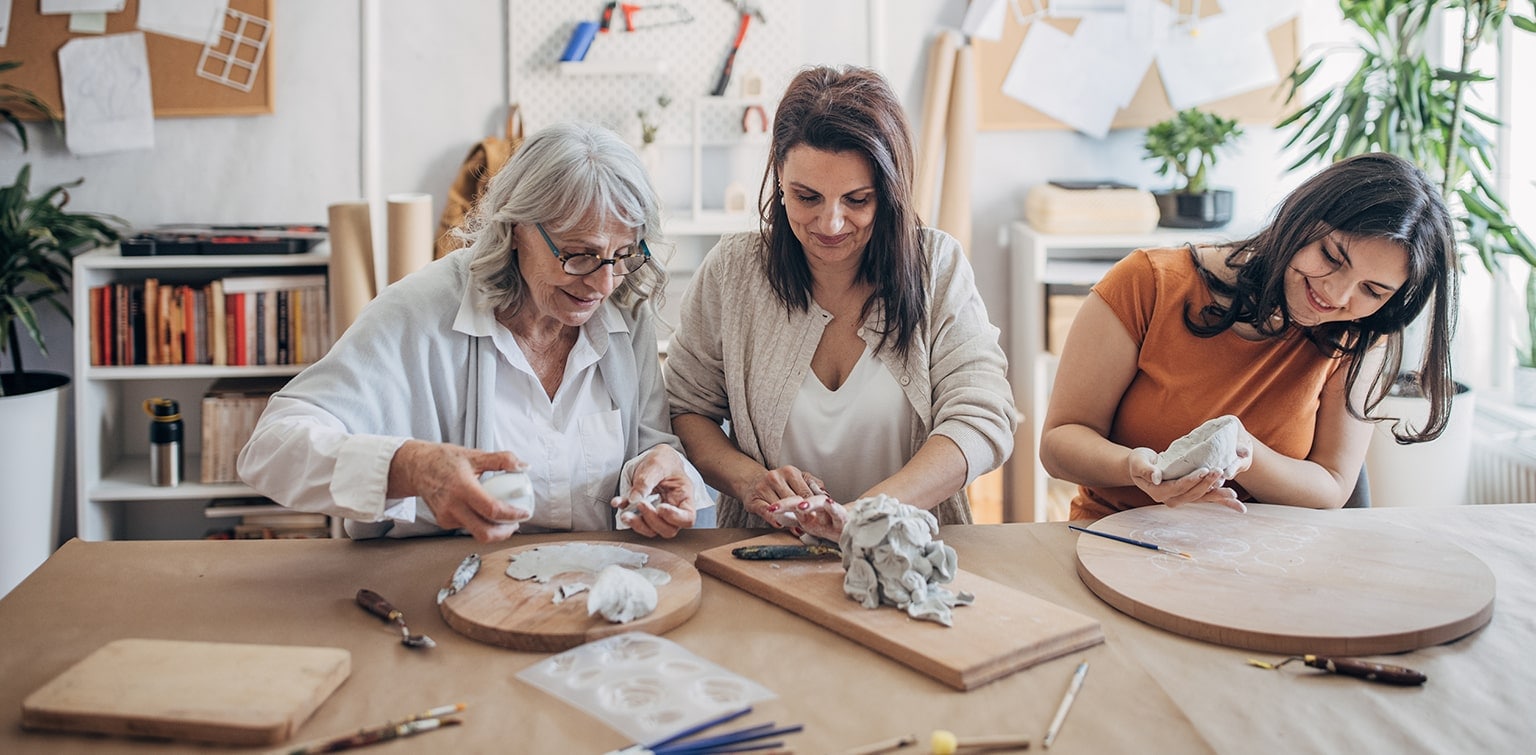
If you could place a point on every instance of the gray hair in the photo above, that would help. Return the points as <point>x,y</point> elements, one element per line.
<point>564,176</point>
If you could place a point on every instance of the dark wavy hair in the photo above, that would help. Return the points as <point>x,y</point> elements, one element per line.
<point>851,109</point>
<point>1374,195</point>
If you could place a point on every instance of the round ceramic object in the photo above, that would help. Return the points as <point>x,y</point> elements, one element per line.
<point>1288,580</point>
<point>521,613</point>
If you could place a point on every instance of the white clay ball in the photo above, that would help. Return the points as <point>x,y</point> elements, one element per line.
<point>512,487</point>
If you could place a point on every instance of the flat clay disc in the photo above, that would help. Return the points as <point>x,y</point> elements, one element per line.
<point>521,613</point>
<point>1288,580</point>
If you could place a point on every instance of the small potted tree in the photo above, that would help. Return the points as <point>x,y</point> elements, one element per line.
<point>1186,145</point>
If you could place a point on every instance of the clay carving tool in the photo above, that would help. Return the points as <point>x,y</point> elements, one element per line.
<point>375,604</point>
<point>420,723</point>
<point>461,576</point>
<point>1066,704</point>
<point>1370,671</point>
<point>1132,541</point>
<point>780,552</point>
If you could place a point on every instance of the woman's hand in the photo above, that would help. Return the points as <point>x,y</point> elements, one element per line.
<point>1200,486</point>
<point>775,494</point>
<point>661,472</point>
<point>446,478</point>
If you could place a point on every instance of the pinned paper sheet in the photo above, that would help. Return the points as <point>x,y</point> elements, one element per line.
<point>984,19</point>
<point>1064,80</point>
<point>60,7</point>
<point>5,21</point>
<point>88,23</point>
<point>1229,55</point>
<point>107,105</point>
<point>192,20</point>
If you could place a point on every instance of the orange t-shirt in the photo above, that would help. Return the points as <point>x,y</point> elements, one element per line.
<point>1274,386</point>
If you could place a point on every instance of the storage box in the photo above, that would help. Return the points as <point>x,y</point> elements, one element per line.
<point>1053,209</point>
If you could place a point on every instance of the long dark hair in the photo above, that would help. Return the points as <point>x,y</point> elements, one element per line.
<point>851,110</point>
<point>1374,195</point>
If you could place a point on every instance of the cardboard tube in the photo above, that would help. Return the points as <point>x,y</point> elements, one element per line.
<point>955,198</point>
<point>351,268</point>
<point>411,227</point>
<point>930,149</point>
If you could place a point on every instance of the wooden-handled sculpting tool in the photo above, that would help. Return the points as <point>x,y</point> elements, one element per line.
<point>375,604</point>
<point>777,552</point>
<point>1132,541</point>
<point>1370,671</point>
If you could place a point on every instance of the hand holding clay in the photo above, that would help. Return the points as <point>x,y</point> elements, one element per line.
<point>660,499</point>
<point>775,495</point>
<point>446,478</point>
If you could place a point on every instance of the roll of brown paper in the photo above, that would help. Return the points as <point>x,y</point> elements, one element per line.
<point>411,227</point>
<point>930,150</point>
<point>351,275</point>
<point>959,154</point>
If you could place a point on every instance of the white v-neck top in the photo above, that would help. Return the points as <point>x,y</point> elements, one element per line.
<point>853,437</point>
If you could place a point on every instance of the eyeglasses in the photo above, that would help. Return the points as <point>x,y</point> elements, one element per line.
<point>583,263</point>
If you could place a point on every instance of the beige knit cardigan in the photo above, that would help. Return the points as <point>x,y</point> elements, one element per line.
<point>740,355</point>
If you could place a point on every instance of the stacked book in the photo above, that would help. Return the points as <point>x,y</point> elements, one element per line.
<point>249,320</point>
<point>261,519</point>
<point>230,410</point>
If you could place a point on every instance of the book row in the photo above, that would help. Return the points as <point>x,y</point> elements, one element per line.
<point>253,320</point>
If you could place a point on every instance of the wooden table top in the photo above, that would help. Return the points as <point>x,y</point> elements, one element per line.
<point>1147,689</point>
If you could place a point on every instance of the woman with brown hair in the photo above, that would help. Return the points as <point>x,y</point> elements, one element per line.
<point>845,344</point>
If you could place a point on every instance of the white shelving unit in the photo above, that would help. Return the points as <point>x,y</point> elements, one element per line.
<point>1041,260</point>
<point>114,498</point>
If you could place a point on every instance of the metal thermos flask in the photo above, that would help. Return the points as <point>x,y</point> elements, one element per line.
<point>165,441</point>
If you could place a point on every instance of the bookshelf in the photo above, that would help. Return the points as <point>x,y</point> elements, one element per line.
<point>114,497</point>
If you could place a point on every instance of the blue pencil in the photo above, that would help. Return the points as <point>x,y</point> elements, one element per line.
<point>1123,539</point>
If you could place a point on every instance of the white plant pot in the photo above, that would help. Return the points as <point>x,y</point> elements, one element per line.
<point>1421,474</point>
<point>31,480</point>
<point>1525,386</point>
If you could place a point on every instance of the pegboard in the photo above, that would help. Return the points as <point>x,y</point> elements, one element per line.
<point>692,53</point>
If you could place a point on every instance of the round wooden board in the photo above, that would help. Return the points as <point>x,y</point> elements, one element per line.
<point>1287,580</point>
<point>522,615</point>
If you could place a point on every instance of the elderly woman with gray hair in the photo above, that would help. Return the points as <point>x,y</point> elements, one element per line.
<point>532,350</point>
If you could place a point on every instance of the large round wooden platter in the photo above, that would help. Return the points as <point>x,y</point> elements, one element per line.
<point>522,615</point>
<point>1288,580</point>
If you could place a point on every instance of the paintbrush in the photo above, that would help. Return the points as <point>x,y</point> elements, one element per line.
<point>1141,543</point>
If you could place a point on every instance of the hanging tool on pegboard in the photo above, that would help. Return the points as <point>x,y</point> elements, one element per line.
<point>637,17</point>
<point>745,10</point>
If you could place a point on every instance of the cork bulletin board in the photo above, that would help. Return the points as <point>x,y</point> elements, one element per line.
<point>1000,112</point>
<point>177,90</point>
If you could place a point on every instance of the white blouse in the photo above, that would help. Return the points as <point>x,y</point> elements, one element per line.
<point>853,437</point>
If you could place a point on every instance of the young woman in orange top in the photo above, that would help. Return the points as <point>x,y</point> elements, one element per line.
<point>1298,331</point>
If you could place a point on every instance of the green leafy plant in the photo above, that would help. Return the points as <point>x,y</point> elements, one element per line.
<point>37,240</point>
<point>1397,101</point>
<point>648,127</point>
<point>1187,144</point>
<point>1526,352</point>
<point>12,96</point>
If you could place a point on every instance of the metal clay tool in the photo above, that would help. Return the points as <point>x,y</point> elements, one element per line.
<point>1370,671</point>
<point>466,571</point>
<point>777,552</point>
<point>378,606</point>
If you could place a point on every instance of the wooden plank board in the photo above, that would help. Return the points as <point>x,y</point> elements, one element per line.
<point>1287,580</point>
<point>219,692</point>
<point>1004,631</point>
<point>522,615</point>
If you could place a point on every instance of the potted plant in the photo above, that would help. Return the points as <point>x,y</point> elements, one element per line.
<point>37,239</point>
<point>1186,144</point>
<point>1396,100</point>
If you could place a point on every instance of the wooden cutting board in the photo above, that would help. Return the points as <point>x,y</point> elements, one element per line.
<point>1002,632</point>
<point>1288,580</point>
<point>218,692</point>
<point>522,615</point>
